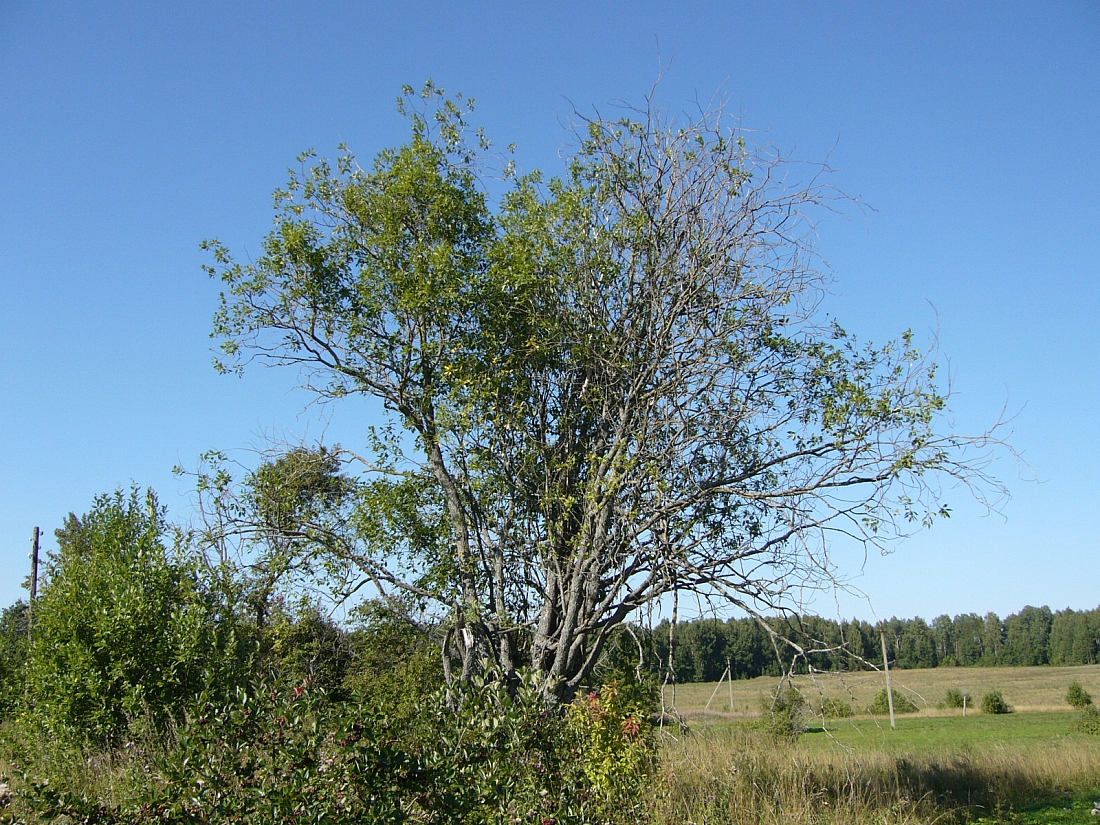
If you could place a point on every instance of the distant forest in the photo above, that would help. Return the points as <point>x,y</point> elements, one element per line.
<point>702,648</point>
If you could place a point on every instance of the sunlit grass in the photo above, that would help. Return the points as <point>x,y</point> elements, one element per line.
<point>1024,768</point>
<point>924,734</point>
<point>1026,688</point>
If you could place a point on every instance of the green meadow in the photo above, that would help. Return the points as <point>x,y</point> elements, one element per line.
<point>1029,767</point>
<point>1025,688</point>
<point>917,734</point>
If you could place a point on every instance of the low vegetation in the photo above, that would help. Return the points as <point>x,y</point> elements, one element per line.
<point>994,702</point>
<point>833,708</point>
<point>1078,697</point>
<point>492,753</point>
<point>268,757</point>
<point>881,705</point>
<point>729,774</point>
<point>1089,722</point>
<point>1025,688</point>
<point>957,699</point>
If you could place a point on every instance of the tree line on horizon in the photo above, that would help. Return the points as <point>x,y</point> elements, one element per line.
<point>701,649</point>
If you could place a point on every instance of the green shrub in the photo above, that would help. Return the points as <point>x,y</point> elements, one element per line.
<point>13,657</point>
<point>123,630</point>
<point>1089,721</point>
<point>957,699</point>
<point>263,756</point>
<point>636,685</point>
<point>306,645</point>
<point>881,704</point>
<point>615,745</point>
<point>493,751</point>
<point>395,666</point>
<point>508,755</point>
<point>784,714</point>
<point>1078,697</point>
<point>994,702</point>
<point>832,708</point>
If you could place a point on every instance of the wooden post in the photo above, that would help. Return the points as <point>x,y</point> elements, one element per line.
<point>889,689</point>
<point>34,578</point>
<point>716,687</point>
<point>966,697</point>
<point>726,673</point>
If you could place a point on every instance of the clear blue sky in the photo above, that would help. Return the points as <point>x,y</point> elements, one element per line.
<point>131,131</point>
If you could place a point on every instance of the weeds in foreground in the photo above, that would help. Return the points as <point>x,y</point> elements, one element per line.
<point>1089,721</point>
<point>524,766</point>
<point>495,752</point>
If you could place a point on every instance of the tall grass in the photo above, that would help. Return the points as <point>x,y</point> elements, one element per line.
<point>738,775</point>
<point>109,775</point>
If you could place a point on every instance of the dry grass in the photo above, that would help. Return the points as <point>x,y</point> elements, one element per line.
<point>734,775</point>
<point>1026,688</point>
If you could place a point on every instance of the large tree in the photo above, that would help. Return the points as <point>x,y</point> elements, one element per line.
<point>600,388</point>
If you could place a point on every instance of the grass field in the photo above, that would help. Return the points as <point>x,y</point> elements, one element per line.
<point>1023,768</point>
<point>1025,688</point>
<point>978,732</point>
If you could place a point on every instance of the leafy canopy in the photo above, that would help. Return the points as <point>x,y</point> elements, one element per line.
<point>599,388</point>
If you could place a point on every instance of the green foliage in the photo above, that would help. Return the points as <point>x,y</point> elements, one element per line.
<point>490,751</point>
<point>994,702</point>
<point>784,714</point>
<point>306,646</point>
<point>615,746</point>
<point>13,657</point>
<point>1078,697</point>
<point>280,755</point>
<point>396,666</point>
<point>508,755</point>
<point>263,756</point>
<point>299,487</point>
<point>624,666</point>
<point>881,704</point>
<point>1089,722</point>
<point>122,630</point>
<point>957,699</point>
<point>833,708</point>
<point>522,402</point>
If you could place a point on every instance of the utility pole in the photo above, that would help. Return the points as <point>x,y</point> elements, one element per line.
<point>34,578</point>
<point>889,689</point>
<point>726,674</point>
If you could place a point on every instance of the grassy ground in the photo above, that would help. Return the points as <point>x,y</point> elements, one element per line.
<point>942,734</point>
<point>1026,688</point>
<point>1024,768</point>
